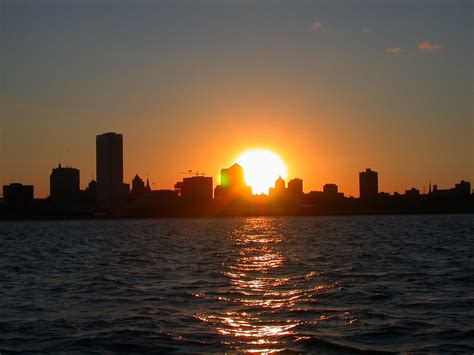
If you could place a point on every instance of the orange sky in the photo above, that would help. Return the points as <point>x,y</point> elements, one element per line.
<point>323,152</point>
<point>193,86</point>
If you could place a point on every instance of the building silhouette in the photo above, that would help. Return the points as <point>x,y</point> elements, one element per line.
<point>111,191</point>
<point>279,189</point>
<point>330,189</point>
<point>153,202</point>
<point>463,188</point>
<point>64,185</point>
<point>232,184</point>
<point>18,197</point>
<point>460,190</point>
<point>193,196</point>
<point>89,195</point>
<point>138,186</point>
<point>280,184</point>
<point>368,185</point>
<point>233,177</point>
<point>295,187</point>
<point>195,189</point>
<point>331,193</point>
<point>413,192</point>
<point>145,201</point>
<point>330,199</point>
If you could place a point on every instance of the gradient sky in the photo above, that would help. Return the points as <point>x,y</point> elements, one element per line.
<point>332,87</point>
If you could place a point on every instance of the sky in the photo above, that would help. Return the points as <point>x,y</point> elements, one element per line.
<point>333,87</point>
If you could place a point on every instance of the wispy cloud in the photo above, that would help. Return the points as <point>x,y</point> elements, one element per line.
<point>316,25</point>
<point>427,46</point>
<point>393,50</point>
<point>365,30</point>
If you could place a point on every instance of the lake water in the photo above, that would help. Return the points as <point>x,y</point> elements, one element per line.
<point>309,284</point>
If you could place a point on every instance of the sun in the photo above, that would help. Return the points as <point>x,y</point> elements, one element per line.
<point>261,169</point>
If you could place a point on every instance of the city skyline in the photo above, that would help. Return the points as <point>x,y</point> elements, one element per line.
<point>237,192</point>
<point>113,189</point>
<point>233,176</point>
<point>331,88</point>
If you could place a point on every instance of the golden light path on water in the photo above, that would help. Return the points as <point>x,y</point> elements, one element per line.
<point>257,291</point>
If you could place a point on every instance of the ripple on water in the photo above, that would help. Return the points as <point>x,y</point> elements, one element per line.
<point>324,284</point>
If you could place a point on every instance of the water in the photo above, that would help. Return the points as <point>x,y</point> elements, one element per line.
<point>316,284</point>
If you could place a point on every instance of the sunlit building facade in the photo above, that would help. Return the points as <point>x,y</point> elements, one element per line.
<point>232,184</point>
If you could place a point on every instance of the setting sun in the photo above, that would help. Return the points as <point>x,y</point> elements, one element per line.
<point>261,169</point>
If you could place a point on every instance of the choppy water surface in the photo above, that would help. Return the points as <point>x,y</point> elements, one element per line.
<point>319,284</point>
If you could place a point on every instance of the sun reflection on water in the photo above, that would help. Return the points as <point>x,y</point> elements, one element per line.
<point>262,292</point>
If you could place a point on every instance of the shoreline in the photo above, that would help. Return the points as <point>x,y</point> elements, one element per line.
<point>219,216</point>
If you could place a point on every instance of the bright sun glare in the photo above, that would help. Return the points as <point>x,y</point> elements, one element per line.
<point>261,169</point>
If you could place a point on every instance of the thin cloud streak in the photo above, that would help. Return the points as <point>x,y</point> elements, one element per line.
<point>427,46</point>
<point>316,25</point>
<point>393,50</point>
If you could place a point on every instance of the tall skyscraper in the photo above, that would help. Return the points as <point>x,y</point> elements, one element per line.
<point>368,185</point>
<point>111,190</point>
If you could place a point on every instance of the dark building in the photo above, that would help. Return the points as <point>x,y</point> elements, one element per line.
<point>64,185</point>
<point>196,189</point>
<point>138,186</point>
<point>330,189</point>
<point>460,190</point>
<point>232,184</point>
<point>463,188</point>
<point>330,193</point>
<point>89,195</point>
<point>368,185</point>
<point>280,188</point>
<point>153,201</point>
<point>295,186</point>
<point>111,190</point>
<point>413,192</point>
<point>18,196</point>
